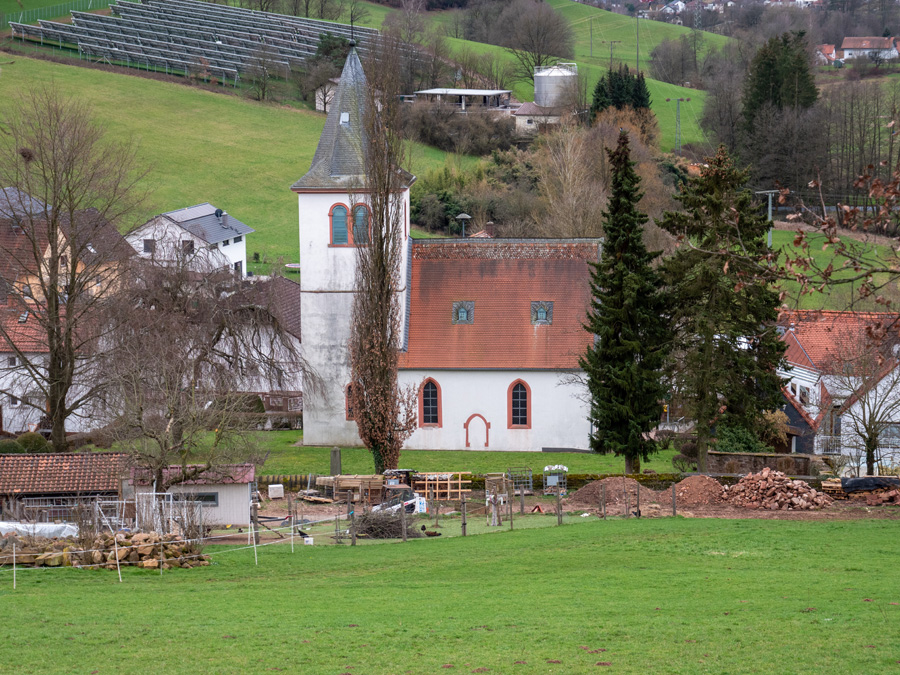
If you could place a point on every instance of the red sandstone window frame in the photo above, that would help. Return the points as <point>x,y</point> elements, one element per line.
<point>351,223</point>
<point>440,415</point>
<point>509,406</point>
<point>348,408</point>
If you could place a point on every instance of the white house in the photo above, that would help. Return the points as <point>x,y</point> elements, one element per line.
<point>492,329</point>
<point>209,235</point>
<point>844,373</point>
<point>861,47</point>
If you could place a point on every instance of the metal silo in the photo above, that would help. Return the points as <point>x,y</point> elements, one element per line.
<point>552,84</point>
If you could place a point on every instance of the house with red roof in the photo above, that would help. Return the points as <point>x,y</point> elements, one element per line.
<point>844,379</point>
<point>862,47</point>
<point>491,328</point>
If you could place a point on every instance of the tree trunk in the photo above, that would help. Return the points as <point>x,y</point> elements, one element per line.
<point>871,447</point>
<point>632,465</point>
<point>702,445</point>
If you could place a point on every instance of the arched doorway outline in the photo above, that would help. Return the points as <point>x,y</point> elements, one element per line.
<point>487,429</point>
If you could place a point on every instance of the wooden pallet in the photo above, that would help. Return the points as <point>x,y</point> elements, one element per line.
<point>442,486</point>
<point>833,489</point>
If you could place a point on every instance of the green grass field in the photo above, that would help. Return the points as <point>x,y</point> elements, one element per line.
<point>643,596</point>
<point>202,146</point>
<point>286,458</point>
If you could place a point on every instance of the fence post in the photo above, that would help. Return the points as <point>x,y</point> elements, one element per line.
<point>463,507</point>
<point>14,564</point>
<point>638,506</point>
<point>558,506</point>
<point>403,519</point>
<point>254,514</point>
<point>522,501</point>
<point>603,499</point>
<point>116,549</point>
<point>674,509</point>
<point>509,506</point>
<point>627,501</point>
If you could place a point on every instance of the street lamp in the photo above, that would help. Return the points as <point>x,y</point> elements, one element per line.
<point>462,218</point>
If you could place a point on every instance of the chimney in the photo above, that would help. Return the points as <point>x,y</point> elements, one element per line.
<point>225,219</point>
<point>489,228</point>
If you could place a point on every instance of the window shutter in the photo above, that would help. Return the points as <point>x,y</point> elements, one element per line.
<point>360,225</point>
<point>339,225</point>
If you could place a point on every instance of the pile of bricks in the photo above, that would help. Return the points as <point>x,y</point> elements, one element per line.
<point>774,491</point>
<point>880,497</point>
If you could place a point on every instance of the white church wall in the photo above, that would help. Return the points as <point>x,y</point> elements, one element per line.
<point>559,419</point>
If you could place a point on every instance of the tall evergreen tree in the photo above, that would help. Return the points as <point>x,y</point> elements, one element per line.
<point>624,365</point>
<point>780,76</point>
<point>640,95</point>
<point>723,307</point>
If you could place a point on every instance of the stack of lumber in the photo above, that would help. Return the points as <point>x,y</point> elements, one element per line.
<point>442,486</point>
<point>140,549</point>
<point>364,487</point>
<point>774,491</point>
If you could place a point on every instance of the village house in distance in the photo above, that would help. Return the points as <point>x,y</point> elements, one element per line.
<point>492,330</point>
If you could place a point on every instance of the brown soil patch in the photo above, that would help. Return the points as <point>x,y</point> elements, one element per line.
<point>617,487</point>
<point>697,490</point>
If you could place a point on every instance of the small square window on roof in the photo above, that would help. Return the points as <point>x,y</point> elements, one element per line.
<point>345,119</point>
<point>463,311</point>
<point>542,312</point>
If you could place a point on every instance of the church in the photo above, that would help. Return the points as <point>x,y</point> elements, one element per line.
<point>492,328</point>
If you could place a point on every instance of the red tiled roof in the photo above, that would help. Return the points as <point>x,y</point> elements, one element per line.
<point>826,338</point>
<point>55,473</point>
<point>225,474</point>
<point>502,277</point>
<point>867,43</point>
<point>28,337</point>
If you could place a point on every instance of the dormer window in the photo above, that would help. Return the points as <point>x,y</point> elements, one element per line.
<point>463,312</point>
<point>345,119</point>
<point>542,313</point>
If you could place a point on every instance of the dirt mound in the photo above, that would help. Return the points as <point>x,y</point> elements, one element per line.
<point>773,490</point>
<point>699,490</point>
<point>616,487</point>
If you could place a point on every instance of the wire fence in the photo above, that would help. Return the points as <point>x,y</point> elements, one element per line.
<point>51,12</point>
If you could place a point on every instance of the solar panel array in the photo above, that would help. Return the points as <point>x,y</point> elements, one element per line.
<point>190,36</point>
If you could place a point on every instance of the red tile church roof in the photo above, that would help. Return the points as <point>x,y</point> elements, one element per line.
<point>502,277</point>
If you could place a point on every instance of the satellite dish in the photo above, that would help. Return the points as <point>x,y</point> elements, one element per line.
<point>219,214</point>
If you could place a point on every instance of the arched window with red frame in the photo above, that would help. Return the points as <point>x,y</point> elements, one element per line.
<point>340,235</point>
<point>430,404</point>
<point>362,223</point>
<point>518,401</point>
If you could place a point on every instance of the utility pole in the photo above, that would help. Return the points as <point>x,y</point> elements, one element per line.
<point>769,194</point>
<point>637,32</point>
<point>677,122</point>
<point>612,43</point>
<point>591,25</point>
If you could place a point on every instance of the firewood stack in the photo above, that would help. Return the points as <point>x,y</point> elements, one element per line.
<point>774,491</point>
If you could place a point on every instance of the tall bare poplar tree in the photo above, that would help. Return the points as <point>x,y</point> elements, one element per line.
<point>384,412</point>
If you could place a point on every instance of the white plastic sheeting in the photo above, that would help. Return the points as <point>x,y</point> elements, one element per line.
<point>47,530</point>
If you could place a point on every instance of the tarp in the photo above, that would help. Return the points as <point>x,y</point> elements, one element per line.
<point>46,530</point>
<point>869,483</point>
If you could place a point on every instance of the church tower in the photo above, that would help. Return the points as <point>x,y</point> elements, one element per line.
<point>334,218</point>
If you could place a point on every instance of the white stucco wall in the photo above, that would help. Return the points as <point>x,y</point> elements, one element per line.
<point>168,237</point>
<point>559,418</point>
<point>327,281</point>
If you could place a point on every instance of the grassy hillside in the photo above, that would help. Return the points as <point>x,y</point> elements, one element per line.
<point>202,146</point>
<point>660,595</point>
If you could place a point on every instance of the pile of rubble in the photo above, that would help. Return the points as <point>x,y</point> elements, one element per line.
<point>699,490</point>
<point>615,489</point>
<point>881,497</point>
<point>774,491</point>
<point>147,550</point>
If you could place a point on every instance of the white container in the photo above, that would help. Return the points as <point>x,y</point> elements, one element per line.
<point>276,491</point>
<point>421,505</point>
<point>308,541</point>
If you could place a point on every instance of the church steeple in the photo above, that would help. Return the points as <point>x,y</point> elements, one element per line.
<point>339,161</point>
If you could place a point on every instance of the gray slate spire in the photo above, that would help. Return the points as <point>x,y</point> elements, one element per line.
<point>339,161</point>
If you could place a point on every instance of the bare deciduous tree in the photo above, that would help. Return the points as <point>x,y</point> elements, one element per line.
<point>60,254</point>
<point>385,413</point>
<point>537,36</point>
<point>180,367</point>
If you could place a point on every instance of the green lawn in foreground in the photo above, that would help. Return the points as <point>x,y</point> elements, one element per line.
<point>202,146</point>
<point>286,458</point>
<point>659,596</point>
